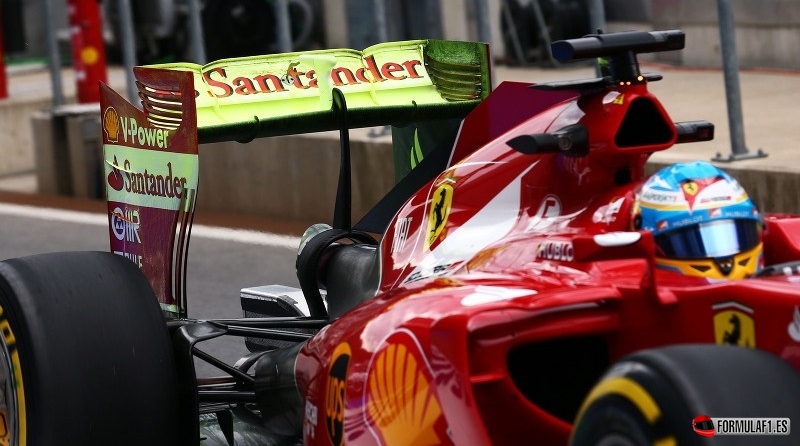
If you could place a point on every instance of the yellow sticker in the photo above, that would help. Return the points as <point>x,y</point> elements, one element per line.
<point>441,203</point>
<point>735,327</point>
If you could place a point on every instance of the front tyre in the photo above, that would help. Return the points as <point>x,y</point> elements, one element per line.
<point>85,356</point>
<point>652,396</point>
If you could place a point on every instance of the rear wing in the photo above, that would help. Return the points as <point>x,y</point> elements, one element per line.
<point>390,83</point>
<point>151,154</point>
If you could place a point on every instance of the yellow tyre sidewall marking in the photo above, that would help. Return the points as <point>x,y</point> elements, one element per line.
<point>11,344</point>
<point>633,392</point>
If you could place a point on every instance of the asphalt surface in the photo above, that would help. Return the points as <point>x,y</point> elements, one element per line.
<point>222,260</point>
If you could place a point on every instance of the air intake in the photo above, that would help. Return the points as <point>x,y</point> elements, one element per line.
<point>643,125</point>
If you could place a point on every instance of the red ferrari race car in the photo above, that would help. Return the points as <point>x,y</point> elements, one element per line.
<point>525,282</point>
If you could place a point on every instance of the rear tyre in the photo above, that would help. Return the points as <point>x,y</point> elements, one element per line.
<point>85,356</point>
<point>651,397</point>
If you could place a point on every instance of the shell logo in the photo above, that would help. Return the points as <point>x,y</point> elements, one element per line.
<point>401,401</point>
<point>111,124</point>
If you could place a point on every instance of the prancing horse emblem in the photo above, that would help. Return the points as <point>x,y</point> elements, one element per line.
<point>441,202</point>
<point>734,324</point>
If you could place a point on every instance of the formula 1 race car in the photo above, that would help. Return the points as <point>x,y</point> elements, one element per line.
<point>501,292</point>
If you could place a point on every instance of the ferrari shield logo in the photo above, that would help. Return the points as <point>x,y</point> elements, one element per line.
<point>690,188</point>
<point>734,325</point>
<point>441,202</point>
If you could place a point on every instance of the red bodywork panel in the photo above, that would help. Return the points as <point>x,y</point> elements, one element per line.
<point>507,255</point>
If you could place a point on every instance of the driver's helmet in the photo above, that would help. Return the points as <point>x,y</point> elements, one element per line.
<point>703,222</point>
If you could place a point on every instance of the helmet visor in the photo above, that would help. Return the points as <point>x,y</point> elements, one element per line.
<point>718,238</point>
<point>706,425</point>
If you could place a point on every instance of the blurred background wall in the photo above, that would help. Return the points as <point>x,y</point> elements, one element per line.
<point>767,31</point>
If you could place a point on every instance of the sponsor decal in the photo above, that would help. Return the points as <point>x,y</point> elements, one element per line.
<point>145,136</point>
<point>690,188</point>
<point>162,183</point>
<point>688,221</point>
<point>401,228</point>
<point>734,324</point>
<point>553,250</point>
<point>114,178</point>
<point>608,213</point>
<point>441,202</point>
<point>310,420</point>
<point>133,257</point>
<point>402,405</point>
<point>150,178</point>
<point>335,393</point>
<point>223,83</point>
<point>111,124</point>
<point>548,212</point>
<point>716,199</point>
<point>657,198</point>
<point>614,97</point>
<point>436,270</point>
<point>125,225</point>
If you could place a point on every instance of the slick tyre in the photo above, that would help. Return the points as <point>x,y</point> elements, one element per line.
<point>85,356</point>
<point>652,396</point>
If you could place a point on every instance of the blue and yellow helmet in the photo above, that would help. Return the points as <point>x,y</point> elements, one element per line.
<point>703,222</point>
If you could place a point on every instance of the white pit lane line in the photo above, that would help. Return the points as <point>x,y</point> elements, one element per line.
<point>211,232</point>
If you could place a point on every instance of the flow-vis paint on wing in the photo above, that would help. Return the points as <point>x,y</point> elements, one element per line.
<point>280,94</point>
